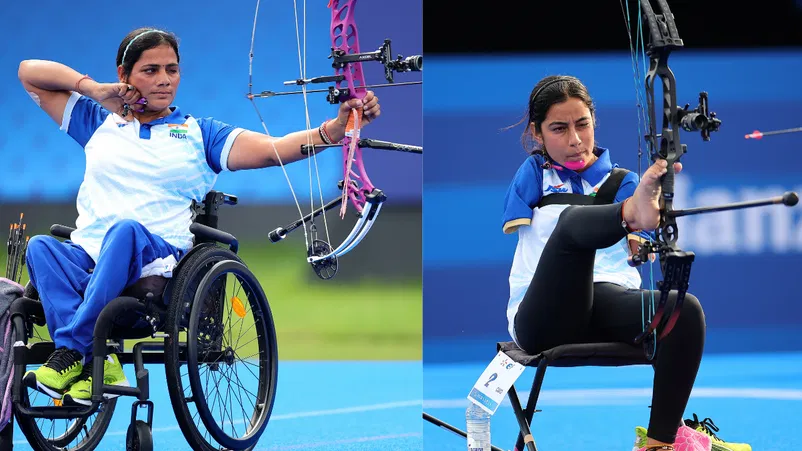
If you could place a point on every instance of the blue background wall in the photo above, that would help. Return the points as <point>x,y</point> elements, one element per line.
<point>215,41</point>
<point>749,262</point>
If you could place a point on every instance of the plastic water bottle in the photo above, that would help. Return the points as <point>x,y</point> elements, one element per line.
<point>478,428</point>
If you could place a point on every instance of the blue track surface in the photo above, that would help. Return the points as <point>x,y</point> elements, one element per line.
<point>320,405</point>
<point>752,398</point>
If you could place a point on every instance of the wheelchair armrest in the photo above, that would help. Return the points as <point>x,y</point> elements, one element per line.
<point>210,233</point>
<point>61,231</point>
<point>229,199</point>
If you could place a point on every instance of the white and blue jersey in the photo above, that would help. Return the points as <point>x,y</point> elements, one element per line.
<point>535,224</point>
<point>149,173</point>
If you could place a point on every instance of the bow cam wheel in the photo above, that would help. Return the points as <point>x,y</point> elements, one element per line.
<point>326,268</point>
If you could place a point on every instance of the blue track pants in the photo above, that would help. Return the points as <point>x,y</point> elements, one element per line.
<point>73,297</point>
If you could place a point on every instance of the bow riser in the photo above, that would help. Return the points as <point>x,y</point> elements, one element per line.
<point>345,41</point>
<point>670,148</point>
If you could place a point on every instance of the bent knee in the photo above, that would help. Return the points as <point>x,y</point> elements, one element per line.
<point>125,226</point>
<point>39,244</point>
<point>692,310</point>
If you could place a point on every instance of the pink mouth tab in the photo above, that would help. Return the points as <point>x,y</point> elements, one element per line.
<point>574,165</point>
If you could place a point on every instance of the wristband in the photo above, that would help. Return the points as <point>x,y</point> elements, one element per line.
<point>624,222</point>
<point>324,134</point>
<point>77,83</point>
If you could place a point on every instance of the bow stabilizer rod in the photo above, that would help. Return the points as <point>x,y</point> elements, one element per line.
<point>789,199</point>
<point>369,144</point>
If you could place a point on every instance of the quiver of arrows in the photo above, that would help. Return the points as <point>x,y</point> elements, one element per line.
<point>17,246</point>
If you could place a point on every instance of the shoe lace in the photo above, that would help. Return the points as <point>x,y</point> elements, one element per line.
<point>707,426</point>
<point>62,360</point>
<point>86,373</point>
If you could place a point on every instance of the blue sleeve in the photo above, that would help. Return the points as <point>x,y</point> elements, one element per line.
<point>627,189</point>
<point>218,138</point>
<point>523,194</point>
<point>82,117</point>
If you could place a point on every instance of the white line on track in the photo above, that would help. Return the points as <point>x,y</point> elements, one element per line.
<point>295,415</point>
<point>618,396</point>
<point>345,441</point>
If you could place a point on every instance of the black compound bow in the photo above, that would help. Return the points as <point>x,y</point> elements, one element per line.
<point>675,263</point>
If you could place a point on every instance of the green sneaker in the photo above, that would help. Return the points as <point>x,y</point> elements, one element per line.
<point>707,427</point>
<point>81,390</point>
<point>60,370</point>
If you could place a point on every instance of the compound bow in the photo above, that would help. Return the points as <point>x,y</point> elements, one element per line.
<point>675,263</point>
<point>349,83</point>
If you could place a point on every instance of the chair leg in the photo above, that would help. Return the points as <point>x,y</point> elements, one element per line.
<point>531,403</point>
<point>523,424</point>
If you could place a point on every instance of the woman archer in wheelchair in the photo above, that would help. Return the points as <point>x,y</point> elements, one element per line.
<point>146,161</point>
<point>570,281</point>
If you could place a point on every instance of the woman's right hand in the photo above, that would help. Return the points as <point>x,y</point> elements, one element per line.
<point>114,97</point>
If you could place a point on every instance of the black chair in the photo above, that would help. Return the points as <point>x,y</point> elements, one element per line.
<point>572,355</point>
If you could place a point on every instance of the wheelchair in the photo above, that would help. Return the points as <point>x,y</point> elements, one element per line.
<point>193,324</point>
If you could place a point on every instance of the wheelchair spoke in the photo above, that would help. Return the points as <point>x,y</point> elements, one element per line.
<point>240,388</point>
<point>239,396</point>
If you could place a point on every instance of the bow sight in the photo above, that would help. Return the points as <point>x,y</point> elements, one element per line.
<point>340,59</point>
<point>384,55</point>
<point>699,119</point>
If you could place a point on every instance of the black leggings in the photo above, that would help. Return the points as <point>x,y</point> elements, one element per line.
<point>563,305</point>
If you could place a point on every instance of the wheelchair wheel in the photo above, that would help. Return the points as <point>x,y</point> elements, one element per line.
<point>79,434</point>
<point>237,341</point>
<point>194,287</point>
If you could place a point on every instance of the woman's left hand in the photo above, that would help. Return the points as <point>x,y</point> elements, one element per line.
<point>369,105</point>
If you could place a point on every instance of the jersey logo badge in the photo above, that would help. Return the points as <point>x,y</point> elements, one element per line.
<point>557,189</point>
<point>178,131</point>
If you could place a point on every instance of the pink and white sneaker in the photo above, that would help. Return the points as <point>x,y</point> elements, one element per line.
<point>687,440</point>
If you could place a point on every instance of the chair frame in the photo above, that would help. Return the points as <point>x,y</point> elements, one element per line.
<point>569,355</point>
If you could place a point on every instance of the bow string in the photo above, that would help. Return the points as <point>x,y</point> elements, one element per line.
<point>662,37</point>
<point>348,83</point>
